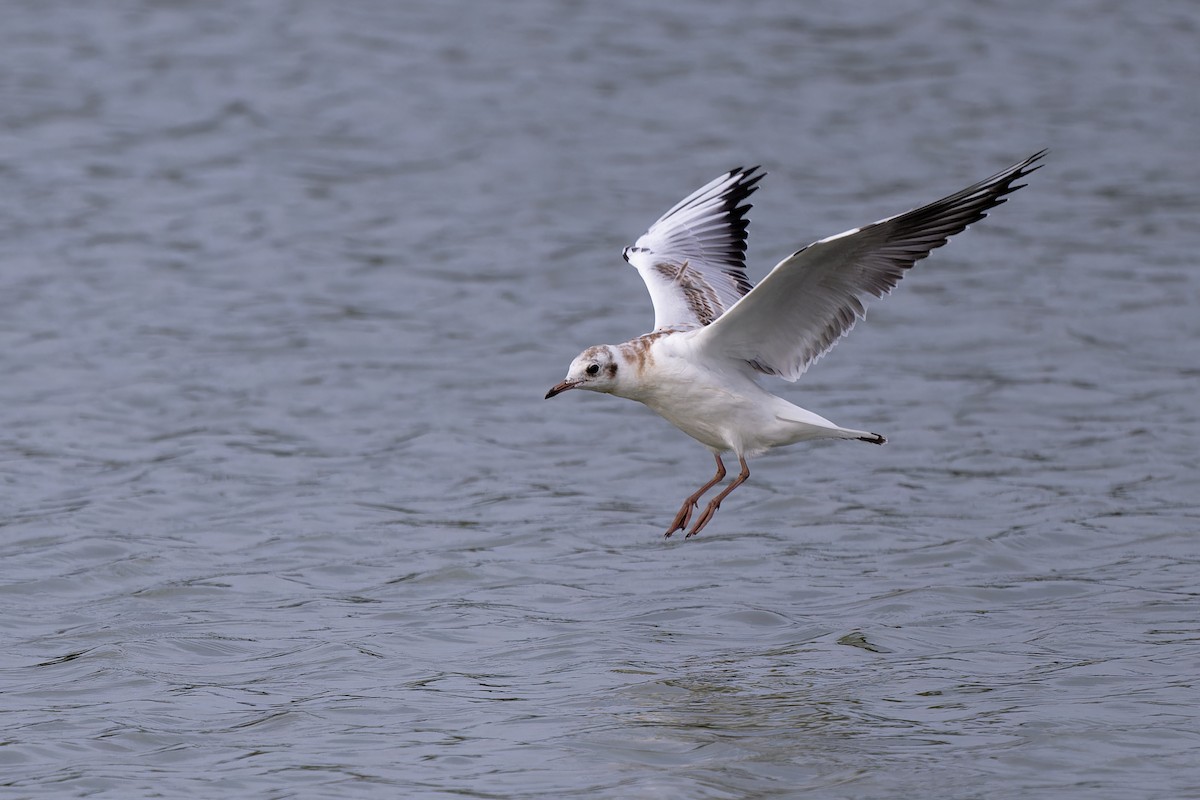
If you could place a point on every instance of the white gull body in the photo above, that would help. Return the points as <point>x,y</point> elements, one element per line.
<point>714,334</point>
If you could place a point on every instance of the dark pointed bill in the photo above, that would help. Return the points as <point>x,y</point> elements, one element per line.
<point>559,388</point>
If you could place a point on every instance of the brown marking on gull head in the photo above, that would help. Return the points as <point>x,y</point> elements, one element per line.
<point>637,351</point>
<point>697,293</point>
<point>603,356</point>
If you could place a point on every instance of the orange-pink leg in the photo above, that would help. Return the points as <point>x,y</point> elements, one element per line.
<point>685,512</point>
<point>715,503</point>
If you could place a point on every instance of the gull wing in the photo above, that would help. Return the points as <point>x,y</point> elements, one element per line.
<point>812,298</point>
<point>693,259</point>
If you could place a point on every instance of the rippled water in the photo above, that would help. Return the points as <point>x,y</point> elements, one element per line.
<point>284,514</point>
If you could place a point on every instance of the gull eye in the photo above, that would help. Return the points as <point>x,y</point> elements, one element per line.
<point>593,369</point>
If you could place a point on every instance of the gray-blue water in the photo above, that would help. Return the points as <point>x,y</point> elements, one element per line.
<point>283,512</point>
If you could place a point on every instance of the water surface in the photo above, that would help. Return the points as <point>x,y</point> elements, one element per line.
<point>284,513</point>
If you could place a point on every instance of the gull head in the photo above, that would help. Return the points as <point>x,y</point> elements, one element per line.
<point>595,369</point>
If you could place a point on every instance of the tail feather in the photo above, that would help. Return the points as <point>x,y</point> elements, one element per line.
<point>812,426</point>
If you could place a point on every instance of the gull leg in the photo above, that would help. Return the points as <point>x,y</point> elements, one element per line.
<point>685,512</point>
<point>715,503</point>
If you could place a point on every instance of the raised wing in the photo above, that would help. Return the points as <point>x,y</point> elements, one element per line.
<point>693,259</point>
<point>815,296</point>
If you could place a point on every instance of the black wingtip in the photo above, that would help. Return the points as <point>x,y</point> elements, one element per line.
<point>751,176</point>
<point>1023,168</point>
<point>874,438</point>
<point>736,209</point>
<point>747,172</point>
<point>747,182</point>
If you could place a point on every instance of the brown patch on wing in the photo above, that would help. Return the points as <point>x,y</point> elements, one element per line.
<point>637,351</point>
<point>697,293</point>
